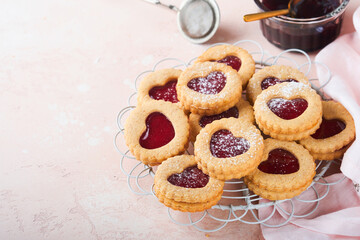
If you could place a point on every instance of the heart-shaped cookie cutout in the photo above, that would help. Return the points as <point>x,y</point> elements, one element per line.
<point>191,177</point>
<point>159,131</point>
<point>329,128</point>
<point>287,109</point>
<point>223,144</point>
<point>231,61</point>
<point>166,92</point>
<point>232,112</point>
<point>213,83</point>
<point>271,81</point>
<point>280,161</point>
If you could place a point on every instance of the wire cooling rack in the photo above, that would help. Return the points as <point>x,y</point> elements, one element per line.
<point>238,203</point>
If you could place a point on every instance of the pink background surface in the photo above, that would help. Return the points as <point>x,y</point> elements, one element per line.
<point>67,68</point>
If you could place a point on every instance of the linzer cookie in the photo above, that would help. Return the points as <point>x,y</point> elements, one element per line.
<point>228,148</point>
<point>237,58</point>
<point>156,131</point>
<point>288,111</point>
<point>180,185</point>
<point>159,85</point>
<point>209,88</point>
<point>285,171</point>
<point>336,132</point>
<point>242,111</point>
<point>270,76</point>
<point>331,155</point>
<point>291,137</point>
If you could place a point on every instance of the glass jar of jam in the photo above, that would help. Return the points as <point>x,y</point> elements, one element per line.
<point>316,24</point>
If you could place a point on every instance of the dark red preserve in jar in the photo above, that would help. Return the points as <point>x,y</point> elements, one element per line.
<point>316,24</point>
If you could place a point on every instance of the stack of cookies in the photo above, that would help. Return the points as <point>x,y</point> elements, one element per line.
<point>288,111</point>
<point>203,104</point>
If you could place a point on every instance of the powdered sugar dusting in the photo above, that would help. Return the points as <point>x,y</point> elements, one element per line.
<point>191,177</point>
<point>213,83</point>
<point>223,144</point>
<point>286,90</point>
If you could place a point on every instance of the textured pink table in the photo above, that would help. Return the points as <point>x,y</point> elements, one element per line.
<point>67,68</point>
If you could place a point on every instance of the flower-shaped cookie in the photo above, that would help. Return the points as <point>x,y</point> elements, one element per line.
<point>286,170</point>
<point>156,131</point>
<point>237,58</point>
<point>180,185</point>
<point>209,88</point>
<point>228,148</point>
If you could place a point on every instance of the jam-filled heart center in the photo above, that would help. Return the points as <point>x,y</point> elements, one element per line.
<point>213,83</point>
<point>271,81</point>
<point>191,177</point>
<point>280,161</point>
<point>231,61</point>
<point>329,128</point>
<point>287,109</point>
<point>223,144</point>
<point>232,112</point>
<point>159,131</point>
<point>166,92</point>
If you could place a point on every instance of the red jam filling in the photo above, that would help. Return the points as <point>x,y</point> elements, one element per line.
<point>232,112</point>
<point>280,161</point>
<point>231,61</point>
<point>287,109</point>
<point>166,92</point>
<point>191,177</point>
<point>271,81</point>
<point>211,84</point>
<point>159,131</point>
<point>329,128</point>
<point>223,144</point>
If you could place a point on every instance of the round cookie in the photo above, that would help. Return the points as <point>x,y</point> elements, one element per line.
<point>180,185</point>
<point>288,108</point>
<point>270,76</point>
<point>286,170</point>
<point>208,88</point>
<point>156,131</point>
<point>228,148</point>
<point>159,85</point>
<point>239,59</point>
<point>337,130</point>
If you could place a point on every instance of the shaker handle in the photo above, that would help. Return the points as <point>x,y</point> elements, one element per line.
<point>157,2</point>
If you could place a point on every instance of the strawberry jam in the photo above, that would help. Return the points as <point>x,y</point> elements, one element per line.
<point>329,128</point>
<point>232,112</point>
<point>159,131</point>
<point>223,144</point>
<point>166,92</point>
<point>271,81</point>
<point>280,161</point>
<point>191,177</point>
<point>213,83</point>
<point>231,61</point>
<point>287,109</point>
